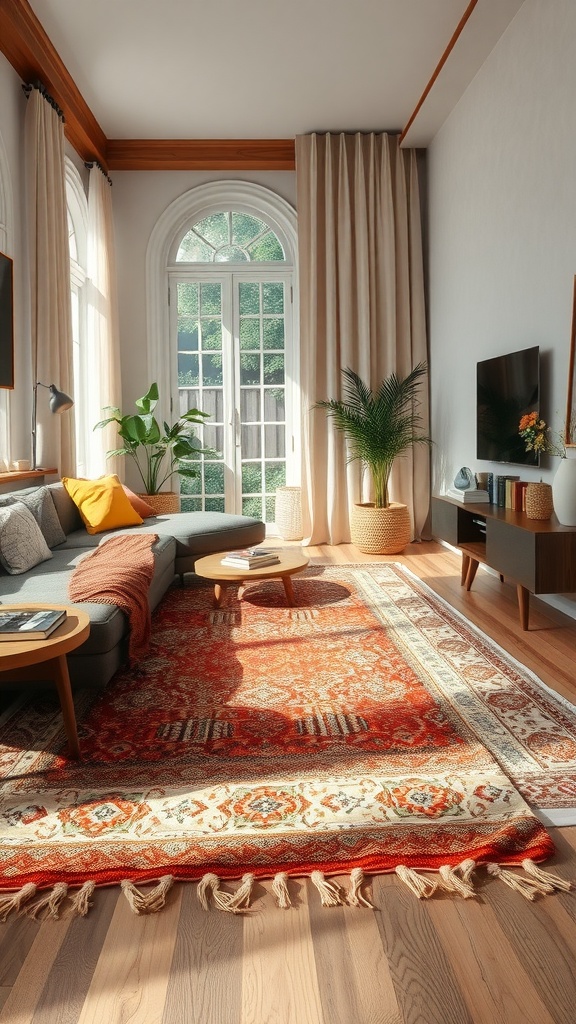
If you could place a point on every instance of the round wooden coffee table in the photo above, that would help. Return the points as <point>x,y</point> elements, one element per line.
<point>210,567</point>
<point>30,660</point>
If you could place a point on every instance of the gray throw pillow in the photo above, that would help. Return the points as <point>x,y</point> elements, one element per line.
<point>22,545</point>
<point>40,502</point>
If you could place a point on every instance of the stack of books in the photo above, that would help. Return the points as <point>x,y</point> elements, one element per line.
<point>29,624</point>
<point>251,558</point>
<point>473,495</point>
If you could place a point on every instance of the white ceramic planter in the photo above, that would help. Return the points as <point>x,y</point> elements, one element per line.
<point>564,492</point>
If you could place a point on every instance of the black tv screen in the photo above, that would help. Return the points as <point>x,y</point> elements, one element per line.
<point>507,387</point>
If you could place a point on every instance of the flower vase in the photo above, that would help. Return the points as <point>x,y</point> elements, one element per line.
<point>564,492</point>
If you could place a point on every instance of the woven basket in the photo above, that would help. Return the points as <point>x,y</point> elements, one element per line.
<point>380,531</point>
<point>163,503</point>
<point>288,512</point>
<point>539,503</point>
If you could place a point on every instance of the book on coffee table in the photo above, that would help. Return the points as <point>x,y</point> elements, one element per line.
<point>251,558</point>
<point>30,623</point>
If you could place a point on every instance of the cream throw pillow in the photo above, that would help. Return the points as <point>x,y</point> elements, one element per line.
<point>22,545</point>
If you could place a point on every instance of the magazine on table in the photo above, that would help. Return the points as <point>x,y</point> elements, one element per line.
<point>29,623</point>
<point>251,558</point>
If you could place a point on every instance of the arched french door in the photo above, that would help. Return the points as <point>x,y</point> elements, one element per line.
<point>233,352</point>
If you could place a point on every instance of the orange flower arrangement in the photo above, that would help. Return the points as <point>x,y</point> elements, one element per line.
<point>536,435</point>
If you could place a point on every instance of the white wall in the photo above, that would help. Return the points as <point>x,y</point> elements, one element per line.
<point>502,229</point>
<point>139,198</point>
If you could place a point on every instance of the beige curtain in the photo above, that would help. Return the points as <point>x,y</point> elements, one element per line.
<point>51,310</point>
<point>361,305</point>
<point>102,334</point>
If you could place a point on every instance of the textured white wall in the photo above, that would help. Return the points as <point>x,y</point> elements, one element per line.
<point>502,241</point>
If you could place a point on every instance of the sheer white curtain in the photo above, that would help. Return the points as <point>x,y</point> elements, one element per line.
<point>361,305</point>
<point>102,356</point>
<point>51,310</point>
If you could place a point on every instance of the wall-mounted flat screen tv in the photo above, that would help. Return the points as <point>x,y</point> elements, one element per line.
<point>507,387</point>
<point>6,323</point>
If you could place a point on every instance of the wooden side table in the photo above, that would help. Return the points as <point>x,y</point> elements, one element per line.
<point>25,661</point>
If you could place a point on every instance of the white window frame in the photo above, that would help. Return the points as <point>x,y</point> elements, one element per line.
<point>161,266</point>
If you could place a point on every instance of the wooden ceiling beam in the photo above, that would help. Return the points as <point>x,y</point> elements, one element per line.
<point>25,44</point>
<point>201,154</point>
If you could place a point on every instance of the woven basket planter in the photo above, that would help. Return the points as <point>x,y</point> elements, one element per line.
<point>288,512</point>
<point>380,531</point>
<point>539,503</point>
<point>163,503</point>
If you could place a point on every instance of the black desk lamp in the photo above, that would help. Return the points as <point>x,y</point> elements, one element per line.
<point>58,402</point>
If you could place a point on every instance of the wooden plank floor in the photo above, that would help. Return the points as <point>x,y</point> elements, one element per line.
<point>495,960</point>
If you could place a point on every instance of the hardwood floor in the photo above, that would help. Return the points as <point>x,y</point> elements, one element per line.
<point>495,960</point>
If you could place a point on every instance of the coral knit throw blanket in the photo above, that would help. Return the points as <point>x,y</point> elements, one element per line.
<point>119,572</point>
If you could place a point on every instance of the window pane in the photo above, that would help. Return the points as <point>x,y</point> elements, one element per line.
<point>250,405</point>
<point>213,403</point>
<point>188,399</point>
<point>210,299</point>
<point>213,437</point>
<point>211,369</point>
<point>214,478</point>
<point>273,298</point>
<point>274,442</point>
<point>249,369</point>
<point>249,298</point>
<point>191,504</point>
<point>270,510</point>
<point>191,485</point>
<point>187,334</point>
<point>214,228</point>
<point>274,406</point>
<point>274,369</point>
<point>251,442</point>
<point>193,250</point>
<point>266,248</point>
<point>245,228</point>
<point>275,476</point>
<point>188,299</point>
<point>231,254</point>
<point>251,478</point>
<point>252,507</point>
<point>212,333</point>
<point>249,333</point>
<point>273,331</point>
<point>187,370</point>
<point>214,504</point>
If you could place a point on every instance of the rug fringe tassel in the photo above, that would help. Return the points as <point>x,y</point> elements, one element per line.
<point>80,903</point>
<point>147,902</point>
<point>530,888</point>
<point>15,900</point>
<point>546,877</point>
<point>452,880</point>
<point>355,896</point>
<point>281,891</point>
<point>330,893</point>
<point>421,886</point>
<point>226,901</point>
<point>49,904</point>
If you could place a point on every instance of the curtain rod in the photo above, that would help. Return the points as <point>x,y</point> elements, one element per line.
<point>44,92</point>
<point>94,163</point>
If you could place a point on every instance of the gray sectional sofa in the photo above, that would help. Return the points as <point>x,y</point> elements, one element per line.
<point>183,538</point>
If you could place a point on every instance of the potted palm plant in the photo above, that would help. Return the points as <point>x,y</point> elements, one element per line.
<point>158,454</point>
<point>379,426</point>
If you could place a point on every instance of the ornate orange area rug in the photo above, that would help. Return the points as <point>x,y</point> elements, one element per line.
<point>370,729</point>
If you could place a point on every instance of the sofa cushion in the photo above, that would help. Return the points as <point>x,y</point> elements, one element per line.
<point>68,514</point>
<point>138,504</point>
<point>22,545</point>
<point>39,501</point>
<point>102,503</point>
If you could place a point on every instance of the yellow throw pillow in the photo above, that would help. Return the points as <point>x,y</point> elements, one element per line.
<point>102,503</point>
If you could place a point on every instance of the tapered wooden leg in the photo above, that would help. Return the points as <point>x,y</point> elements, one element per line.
<point>219,594</point>
<point>465,565</point>
<point>289,590</point>
<point>471,573</point>
<point>58,670</point>
<point>523,605</point>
